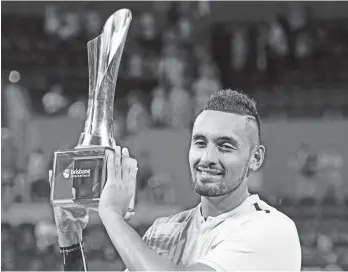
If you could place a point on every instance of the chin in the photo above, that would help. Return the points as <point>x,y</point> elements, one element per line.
<point>209,189</point>
<point>210,193</point>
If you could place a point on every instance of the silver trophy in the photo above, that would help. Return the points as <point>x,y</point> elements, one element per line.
<point>79,174</point>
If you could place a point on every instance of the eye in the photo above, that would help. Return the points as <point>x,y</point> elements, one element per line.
<point>226,147</point>
<point>200,143</point>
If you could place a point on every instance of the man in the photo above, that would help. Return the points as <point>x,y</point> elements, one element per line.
<point>229,230</point>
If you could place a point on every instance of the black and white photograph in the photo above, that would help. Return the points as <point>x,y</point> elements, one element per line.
<point>174,136</point>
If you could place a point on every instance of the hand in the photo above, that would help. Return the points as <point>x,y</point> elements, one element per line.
<point>120,185</point>
<point>70,222</point>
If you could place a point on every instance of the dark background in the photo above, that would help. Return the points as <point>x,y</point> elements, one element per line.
<point>291,57</point>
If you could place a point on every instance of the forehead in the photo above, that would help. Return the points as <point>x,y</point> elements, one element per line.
<point>220,124</point>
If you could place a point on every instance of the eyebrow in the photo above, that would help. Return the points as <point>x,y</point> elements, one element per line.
<point>229,139</point>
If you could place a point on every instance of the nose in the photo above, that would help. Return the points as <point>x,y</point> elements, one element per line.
<point>210,156</point>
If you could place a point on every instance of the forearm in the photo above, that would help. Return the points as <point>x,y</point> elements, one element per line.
<point>71,247</point>
<point>136,255</point>
<point>74,258</point>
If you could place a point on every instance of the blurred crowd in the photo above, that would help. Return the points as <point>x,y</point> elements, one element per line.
<point>293,65</point>
<point>34,247</point>
<point>322,229</point>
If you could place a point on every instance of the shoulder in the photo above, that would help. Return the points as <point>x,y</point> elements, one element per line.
<point>171,224</point>
<point>257,239</point>
<point>267,226</point>
<point>268,217</point>
<point>179,218</point>
<point>277,219</point>
<point>275,234</point>
<point>164,231</point>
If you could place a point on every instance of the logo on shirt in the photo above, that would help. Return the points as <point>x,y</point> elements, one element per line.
<point>214,246</point>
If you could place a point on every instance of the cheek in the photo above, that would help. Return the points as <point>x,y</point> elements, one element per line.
<point>193,157</point>
<point>234,165</point>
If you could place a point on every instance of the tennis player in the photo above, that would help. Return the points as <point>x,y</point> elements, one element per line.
<point>229,229</point>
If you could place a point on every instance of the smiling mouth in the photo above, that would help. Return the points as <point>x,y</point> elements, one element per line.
<point>210,172</point>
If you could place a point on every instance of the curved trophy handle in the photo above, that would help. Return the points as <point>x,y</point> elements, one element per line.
<point>104,57</point>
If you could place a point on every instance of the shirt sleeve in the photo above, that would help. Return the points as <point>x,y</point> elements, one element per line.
<point>264,246</point>
<point>147,235</point>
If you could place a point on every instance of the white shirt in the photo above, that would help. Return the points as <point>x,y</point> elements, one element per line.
<point>254,236</point>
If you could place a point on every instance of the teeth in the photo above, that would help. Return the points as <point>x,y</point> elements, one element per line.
<point>210,172</point>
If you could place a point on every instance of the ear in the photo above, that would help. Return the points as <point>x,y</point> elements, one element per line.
<point>257,158</point>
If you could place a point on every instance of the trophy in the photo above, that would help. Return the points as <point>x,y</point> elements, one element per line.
<point>79,174</point>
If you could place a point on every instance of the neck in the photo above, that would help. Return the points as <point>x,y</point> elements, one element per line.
<point>214,206</point>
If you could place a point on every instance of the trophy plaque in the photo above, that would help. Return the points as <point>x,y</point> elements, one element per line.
<point>79,174</point>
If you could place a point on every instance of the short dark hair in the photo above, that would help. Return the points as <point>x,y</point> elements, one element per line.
<point>237,102</point>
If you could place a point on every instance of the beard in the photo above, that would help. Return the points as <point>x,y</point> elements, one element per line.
<point>220,189</point>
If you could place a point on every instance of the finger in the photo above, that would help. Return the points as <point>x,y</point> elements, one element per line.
<point>128,167</point>
<point>96,187</point>
<point>133,179</point>
<point>132,187</point>
<point>111,168</point>
<point>131,184</point>
<point>50,177</point>
<point>133,172</point>
<point>117,163</point>
<point>129,215</point>
<point>117,149</point>
<point>125,152</point>
<point>124,164</point>
<point>133,169</point>
<point>125,170</point>
<point>73,191</point>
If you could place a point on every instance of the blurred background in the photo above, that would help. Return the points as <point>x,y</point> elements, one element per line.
<point>290,56</point>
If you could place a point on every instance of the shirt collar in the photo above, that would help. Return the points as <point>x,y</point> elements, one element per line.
<point>244,207</point>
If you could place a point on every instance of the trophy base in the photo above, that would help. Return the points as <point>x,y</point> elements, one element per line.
<point>79,175</point>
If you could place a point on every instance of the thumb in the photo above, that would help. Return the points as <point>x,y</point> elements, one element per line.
<point>129,215</point>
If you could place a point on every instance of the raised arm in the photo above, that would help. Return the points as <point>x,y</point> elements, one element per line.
<point>70,223</point>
